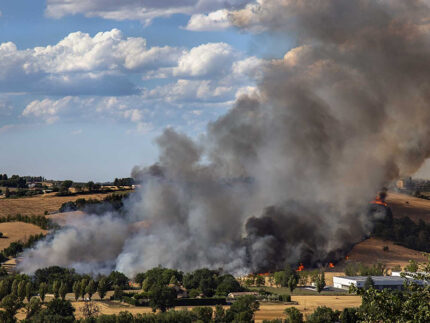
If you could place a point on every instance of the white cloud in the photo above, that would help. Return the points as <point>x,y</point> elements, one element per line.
<point>47,109</point>
<point>81,64</point>
<point>105,64</point>
<point>217,20</point>
<point>141,10</point>
<point>205,60</point>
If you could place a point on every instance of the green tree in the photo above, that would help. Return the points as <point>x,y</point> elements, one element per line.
<point>280,278</point>
<point>60,308</point>
<point>28,291</point>
<point>203,314</point>
<point>15,284</point>
<point>162,298</point>
<point>102,287</point>
<point>259,281</point>
<point>227,284</point>
<point>76,289</point>
<point>323,314</point>
<point>63,291</point>
<point>319,282</point>
<point>243,309</point>
<point>91,288</point>
<point>412,267</point>
<point>11,304</point>
<point>219,316</point>
<point>174,281</point>
<point>21,290</point>
<point>33,307</point>
<point>293,315</point>
<point>4,288</point>
<point>84,283</point>
<point>369,283</point>
<point>349,315</point>
<point>117,292</point>
<point>56,288</point>
<point>90,186</point>
<point>292,282</point>
<point>42,291</point>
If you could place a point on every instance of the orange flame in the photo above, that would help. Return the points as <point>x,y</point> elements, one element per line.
<point>301,267</point>
<point>264,274</point>
<point>331,265</point>
<point>347,257</point>
<point>378,201</point>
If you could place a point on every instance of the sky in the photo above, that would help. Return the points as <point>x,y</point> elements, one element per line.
<point>87,85</point>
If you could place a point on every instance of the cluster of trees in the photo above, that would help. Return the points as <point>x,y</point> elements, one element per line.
<point>287,278</point>
<point>63,188</point>
<point>13,181</point>
<point>159,285</point>
<point>114,201</point>
<point>290,278</point>
<point>119,182</point>
<point>404,231</point>
<point>358,269</point>
<point>39,220</point>
<point>21,192</point>
<point>240,311</point>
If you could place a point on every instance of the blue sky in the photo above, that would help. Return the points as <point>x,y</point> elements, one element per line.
<point>86,87</point>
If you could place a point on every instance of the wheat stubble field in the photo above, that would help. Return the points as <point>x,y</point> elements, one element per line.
<point>37,205</point>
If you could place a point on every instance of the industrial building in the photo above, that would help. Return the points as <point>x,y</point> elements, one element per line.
<point>381,282</point>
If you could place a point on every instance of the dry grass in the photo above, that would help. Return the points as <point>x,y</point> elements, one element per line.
<point>37,205</point>
<point>15,231</point>
<point>370,252</point>
<point>406,205</point>
<point>307,304</point>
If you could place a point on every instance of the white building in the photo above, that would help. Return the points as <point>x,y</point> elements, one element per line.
<point>381,282</point>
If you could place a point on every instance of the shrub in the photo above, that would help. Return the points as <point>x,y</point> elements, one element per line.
<point>293,315</point>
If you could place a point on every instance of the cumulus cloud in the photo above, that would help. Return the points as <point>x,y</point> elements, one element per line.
<point>140,10</point>
<point>81,64</point>
<point>105,64</point>
<point>47,109</point>
<point>217,20</point>
<point>205,60</point>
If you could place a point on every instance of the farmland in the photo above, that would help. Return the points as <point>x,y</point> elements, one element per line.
<point>17,231</point>
<point>37,205</point>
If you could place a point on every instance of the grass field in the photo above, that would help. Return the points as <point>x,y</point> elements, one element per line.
<point>14,231</point>
<point>37,205</point>
<point>267,311</point>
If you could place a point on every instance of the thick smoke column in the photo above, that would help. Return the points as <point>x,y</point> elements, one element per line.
<point>286,175</point>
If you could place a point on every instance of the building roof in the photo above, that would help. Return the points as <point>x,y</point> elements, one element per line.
<point>378,280</point>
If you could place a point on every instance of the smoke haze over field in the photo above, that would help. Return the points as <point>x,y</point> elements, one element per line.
<point>286,175</point>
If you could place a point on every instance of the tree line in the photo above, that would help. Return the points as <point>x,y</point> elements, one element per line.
<point>404,231</point>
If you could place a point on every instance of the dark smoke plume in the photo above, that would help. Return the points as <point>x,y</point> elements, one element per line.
<point>286,175</point>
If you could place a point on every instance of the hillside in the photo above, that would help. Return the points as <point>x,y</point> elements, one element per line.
<point>371,251</point>
<point>406,205</point>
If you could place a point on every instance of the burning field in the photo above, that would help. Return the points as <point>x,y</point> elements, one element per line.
<point>286,175</point>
